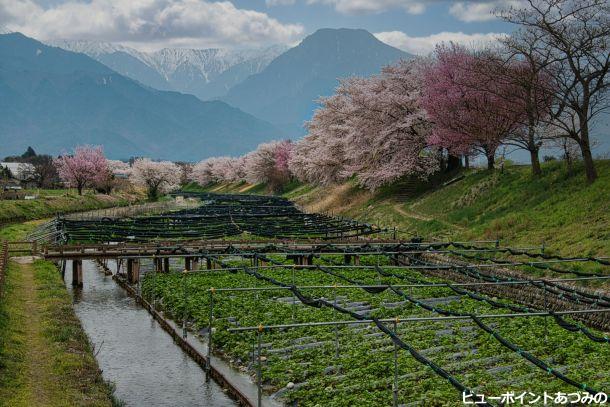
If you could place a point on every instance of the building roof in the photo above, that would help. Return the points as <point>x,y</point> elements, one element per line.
<point>18,169</point>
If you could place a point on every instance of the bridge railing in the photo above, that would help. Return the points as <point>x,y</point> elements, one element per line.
<point>22,248</point>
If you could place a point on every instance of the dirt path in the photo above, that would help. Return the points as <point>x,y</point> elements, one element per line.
<point>47,362</point>
<point>410,213</point>
<point>36,376</point>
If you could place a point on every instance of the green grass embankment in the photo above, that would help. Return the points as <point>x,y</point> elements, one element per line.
<point>570,216</point>
<point>45,356</point>
<point>49,204</point>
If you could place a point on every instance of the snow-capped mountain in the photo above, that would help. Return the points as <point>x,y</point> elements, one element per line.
<point>56,99</point>
<point>205,73</point>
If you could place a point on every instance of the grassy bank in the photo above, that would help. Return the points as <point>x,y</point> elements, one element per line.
<point>564,212</point>
<point>48,205</point>
<point>45,356</point>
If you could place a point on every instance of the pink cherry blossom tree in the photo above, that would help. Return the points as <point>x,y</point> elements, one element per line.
<point>269,164</point>
<point>387,127</point>
<point>202,172</point>
<point>219,169</point>
<point>320,157</point>
<point>468,111</point>
<point>85,167</point>
<point>235,170</point>
<point>158,177</point>
<point>373,128</point>
<point>119,168</point>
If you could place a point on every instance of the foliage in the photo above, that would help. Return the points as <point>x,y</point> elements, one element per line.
<point>157,177</point>
<point>569,216</point>
<point>62,201</point>
<point>468,110</point>
<point>570,40</point>
<point>362,371</point>
<point>40,333</point>
<point>85,167</point>
<point>374,128</point>
<point>269,164</point>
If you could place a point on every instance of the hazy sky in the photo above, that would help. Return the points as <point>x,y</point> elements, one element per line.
<point>412,25</point>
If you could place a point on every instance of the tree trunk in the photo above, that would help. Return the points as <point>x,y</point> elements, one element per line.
<point>491,160</point>
<point>585,147</point>
<point>587,157</point>
<point>589,165</point>
<point>536,170</point>
<point>153,193</point>
<point>467,162</point>
<point>453,163</point>
<point>79,187</point>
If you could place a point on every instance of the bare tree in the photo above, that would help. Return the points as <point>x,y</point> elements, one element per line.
<point>571,39</point>
<point>523,63</point>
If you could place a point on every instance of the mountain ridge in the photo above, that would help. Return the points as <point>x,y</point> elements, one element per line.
<point>55,99</point>
<point>285,92</point>
<point>187,70</point>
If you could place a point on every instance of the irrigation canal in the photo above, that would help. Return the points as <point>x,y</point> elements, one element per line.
<point>134,352</point>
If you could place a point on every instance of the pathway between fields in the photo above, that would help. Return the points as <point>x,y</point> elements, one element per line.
<point>37,386</point>
<point>46,363</point>
<point>410,213</point>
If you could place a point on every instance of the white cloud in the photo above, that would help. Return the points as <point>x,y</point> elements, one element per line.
<point>464,10</point>
<point>149,23</point>
<point>373,6</point>
<point>271,3</point>
<point>471,11</point>
<point>425,45</point>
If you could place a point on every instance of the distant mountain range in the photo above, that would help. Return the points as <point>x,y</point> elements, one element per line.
<point>54,99</point>
<point>277,84</point>
<point>285,92</point>
<point>205,73</point>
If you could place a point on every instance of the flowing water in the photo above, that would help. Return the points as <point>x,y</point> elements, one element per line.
<point>134,352</point>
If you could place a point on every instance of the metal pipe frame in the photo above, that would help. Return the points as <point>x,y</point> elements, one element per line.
<point>431,285</point>
<point>443,266</point>
<point>399,320</point>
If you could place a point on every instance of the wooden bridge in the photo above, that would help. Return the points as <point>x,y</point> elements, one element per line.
<point>124,250</point>
<point>300,252</point>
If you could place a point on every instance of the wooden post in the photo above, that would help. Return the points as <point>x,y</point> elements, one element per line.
<point>77,273</point>
<point>356,260</point>
<point>129,269</point>
<point>310,260</point>
<point>133,271</point>
<point>347,259</point>
<point>208,263</point>
<point>166,265</point>
<point>158,265</point>
<point>187,263</point>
